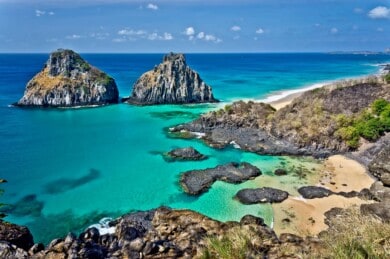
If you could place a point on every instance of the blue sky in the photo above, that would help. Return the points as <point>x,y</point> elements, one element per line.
<point>133,26</point>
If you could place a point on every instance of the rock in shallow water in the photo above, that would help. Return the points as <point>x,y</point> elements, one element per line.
<point>312,192</point>
<point>185,154</point>
<point>197,181</point>
<point>261,195</point>
<point>171,82</point>
<point>67,81</point>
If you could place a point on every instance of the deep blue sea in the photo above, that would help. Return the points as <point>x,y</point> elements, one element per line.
<point>68,168</point>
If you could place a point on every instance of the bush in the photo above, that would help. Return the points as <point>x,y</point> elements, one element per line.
<point>369,124</point>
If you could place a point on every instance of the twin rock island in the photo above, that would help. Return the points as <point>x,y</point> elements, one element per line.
<point>67,80</point>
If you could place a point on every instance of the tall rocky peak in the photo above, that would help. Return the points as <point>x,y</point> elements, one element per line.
<point>67,80</point>
<point>171,82</point>
<point>63,62</point>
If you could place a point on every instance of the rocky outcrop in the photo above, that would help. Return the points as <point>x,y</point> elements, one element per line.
<point>197,181</point>
<point>163,233</point>
<point>185,154</point>
<point>261,195</point>
<point>312,192</point>
<point>380,166</point>
<point>280,172</point>
<point>380,210</point>
<point>171,82</point>
<point>308,126</point>
<point>67,81</point>
<point>16,235</point>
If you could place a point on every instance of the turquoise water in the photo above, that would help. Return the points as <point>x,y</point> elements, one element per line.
<point>67,168</point>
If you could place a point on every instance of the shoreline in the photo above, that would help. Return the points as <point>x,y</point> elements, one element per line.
<point>301,216</point>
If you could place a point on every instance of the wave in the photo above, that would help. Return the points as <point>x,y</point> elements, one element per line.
<point>104,226</point>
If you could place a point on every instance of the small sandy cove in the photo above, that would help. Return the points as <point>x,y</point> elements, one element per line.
<point>306,217</point>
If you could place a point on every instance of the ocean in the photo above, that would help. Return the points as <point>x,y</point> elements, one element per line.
<point>68,168</point>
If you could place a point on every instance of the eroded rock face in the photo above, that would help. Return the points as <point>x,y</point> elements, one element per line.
<point>16,235</point>
<point>171,82</point>
<point>67,81</point>
<point>261,195</point>
<point>195,182</point>
<point>380,166</point>
<point>161,233</point>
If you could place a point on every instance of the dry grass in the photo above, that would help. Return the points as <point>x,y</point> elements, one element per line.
<point>355,236</point>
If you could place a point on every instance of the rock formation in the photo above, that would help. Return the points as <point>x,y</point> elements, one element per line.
<point>197,181</point>
<point>380,166</point>
<point>184,154</point>
<point>261,195</point>
<point>67,81</point>
<point>164,233</point>
<point>310,125</point>
<point>171,82</point>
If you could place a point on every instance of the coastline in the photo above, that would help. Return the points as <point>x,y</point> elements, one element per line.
<point>301,216</point>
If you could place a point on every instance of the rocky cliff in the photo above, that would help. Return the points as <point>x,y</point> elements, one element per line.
<point>66,81</point>
<point>332,119</point>
<point>171,82</point>
<point>162,233</point>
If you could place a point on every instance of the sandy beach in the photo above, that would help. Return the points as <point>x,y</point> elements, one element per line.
<point>303,216</point>
<point>282,102</point>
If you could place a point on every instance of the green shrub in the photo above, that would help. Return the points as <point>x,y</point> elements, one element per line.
<point>369,124</point>
<point>387,78</point>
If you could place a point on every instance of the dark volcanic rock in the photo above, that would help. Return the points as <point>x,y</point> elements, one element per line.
<point>312,192</point>
<point>261,195</point>
<point>307,126</point>
<point>67,81</point>
<point>380,166</point>
<point>171,82</point>
<point>197,181</point>
<point>280,172</point>
<point>187,153</point>
<point>17,235</point>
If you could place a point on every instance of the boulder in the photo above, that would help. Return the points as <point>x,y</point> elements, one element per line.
<point>261,195</point>
<point>16,235</point>
<point>380,166</point>
<point>195,182</point>
<point>171,82</point>
<point>280,172</point>
<point>312,192</point>
<point>67,80</point>
<point>185,154</point>
<point>380,210</point>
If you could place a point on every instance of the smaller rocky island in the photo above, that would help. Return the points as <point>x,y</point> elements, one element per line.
<point>67,80</point>
<point>184,154</point>
<point>261,195</point>
<point>171,82</point>
<point>195,182</point>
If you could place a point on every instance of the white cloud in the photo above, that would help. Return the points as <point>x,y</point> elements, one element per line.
<point>99,35</point>
<point>200,35</point>
<point>358,10</point>
<point>190,31</point>
<point>379,12</point>
<point>152,6</point>
<point>39,13</point>
<point>334,30</point>
<point>130,32</point>
<point>380,29</point>
<point>119,40</point>
<point>167,36</point>
<point>236,28</point>
<point>210,37</point>
<point>259,31</point>
<point>73,37</point>
<point>51,13</point>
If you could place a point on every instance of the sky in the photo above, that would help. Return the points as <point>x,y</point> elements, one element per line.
<point>191,26</point>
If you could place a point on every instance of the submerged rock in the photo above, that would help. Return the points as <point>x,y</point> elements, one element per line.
<point>197,181</point>
<point>185,154</point>
<point>171,82</point>
<point>67,80</point>
<point>261,195</point>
